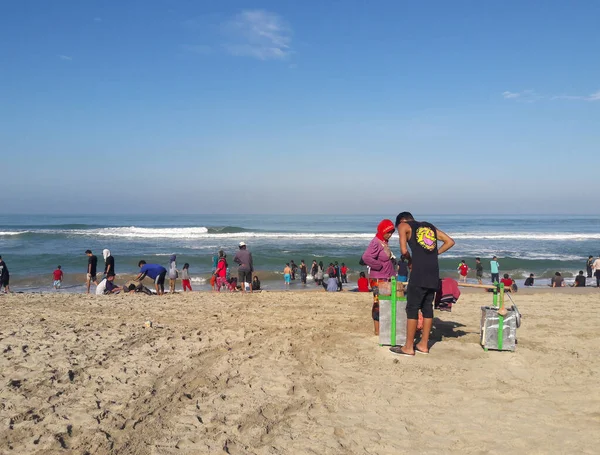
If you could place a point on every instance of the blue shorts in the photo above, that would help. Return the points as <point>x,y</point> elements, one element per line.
<point>402,279</point>
<point>286,277</point>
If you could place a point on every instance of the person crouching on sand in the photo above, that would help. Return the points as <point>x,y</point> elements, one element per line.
<point>156,272</point>
<point>378,257</point>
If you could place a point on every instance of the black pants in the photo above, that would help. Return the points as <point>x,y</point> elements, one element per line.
<point>303,277</point>
<point>344,278</point>
<point>495,277</point>
<point>589,272</point>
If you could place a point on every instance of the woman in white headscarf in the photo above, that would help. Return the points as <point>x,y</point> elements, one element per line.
<point>109,262</point>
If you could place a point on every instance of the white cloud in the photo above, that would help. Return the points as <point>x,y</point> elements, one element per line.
<point>594,96</point>
<point>258,34</point>
<point>508,95</point>
<point>530,96</point>
<point>65,57</point>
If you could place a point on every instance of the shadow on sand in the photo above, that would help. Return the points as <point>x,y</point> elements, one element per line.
<point>446,329</point>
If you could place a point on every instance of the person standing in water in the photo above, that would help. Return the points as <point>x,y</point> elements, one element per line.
<point>303,272</point>
<point>596,270</point>
<point>185,278</point>
<point>91,270</point>
<point>313,270</point>
<point>58,277</point>
<point>243,258</point>
<point>109,262</point>
<point>294,268</point>
<point>478,270</point>
<point>173,273</point>
<point>589,266</point>
<point>495,270</point>
<point>4,277</point>
<point>422,238</point>
<point>287,275</point>
<point>344,273</point>
<point>320,274</point>
<point>463,269</point>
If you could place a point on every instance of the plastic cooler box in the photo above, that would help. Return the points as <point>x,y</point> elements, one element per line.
<point>392,314</point>
<point>499,332</point>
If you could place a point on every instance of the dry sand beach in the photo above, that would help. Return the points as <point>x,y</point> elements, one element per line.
<point>286,373</point>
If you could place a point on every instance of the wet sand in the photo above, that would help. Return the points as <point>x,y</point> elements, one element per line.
<point>291,372</point>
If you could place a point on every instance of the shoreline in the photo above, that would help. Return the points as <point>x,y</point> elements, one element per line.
<point>310,287</point>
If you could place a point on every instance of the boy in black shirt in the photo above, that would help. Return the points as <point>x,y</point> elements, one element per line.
<point>579,280</point>
<point>478,269</point>
<point>529,281</point>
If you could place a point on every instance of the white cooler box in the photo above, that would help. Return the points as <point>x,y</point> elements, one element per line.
<point>491,322</point>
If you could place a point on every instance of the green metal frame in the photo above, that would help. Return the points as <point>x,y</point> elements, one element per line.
<point>499,290</point>
<point>393,298</point>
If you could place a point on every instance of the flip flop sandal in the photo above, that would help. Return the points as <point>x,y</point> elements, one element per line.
<point>397,350</point>
<point>421,352</point>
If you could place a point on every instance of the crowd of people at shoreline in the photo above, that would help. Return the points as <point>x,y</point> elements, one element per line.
<point>332,277</point>
<point>557,281</point>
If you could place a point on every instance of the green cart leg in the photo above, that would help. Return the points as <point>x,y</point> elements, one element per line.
<point>501,320</point>
<point>393,301</point>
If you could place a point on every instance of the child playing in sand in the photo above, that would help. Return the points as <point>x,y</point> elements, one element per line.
<point>287,275</point>
<point>58,277</point>
<point>185,277</point>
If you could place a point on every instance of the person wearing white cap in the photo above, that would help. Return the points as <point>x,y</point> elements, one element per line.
<point>244,260</point>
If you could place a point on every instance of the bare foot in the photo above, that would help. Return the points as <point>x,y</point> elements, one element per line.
<point>422,349</point>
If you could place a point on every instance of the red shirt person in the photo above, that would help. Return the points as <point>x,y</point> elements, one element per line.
<point>507,281</point>
<point>363,283</point>
<point>463,269</point>
<point>58,274</point>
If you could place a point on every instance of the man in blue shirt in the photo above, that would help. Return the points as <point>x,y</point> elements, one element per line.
<point>495,270</point>
<point>154,271</point>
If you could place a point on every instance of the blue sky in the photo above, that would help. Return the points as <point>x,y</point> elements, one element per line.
<point>299,107</point>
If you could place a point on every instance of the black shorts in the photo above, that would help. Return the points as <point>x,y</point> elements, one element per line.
<point>160,279</point>
<point>244,277</point>
<point>5,280</point>
<point>418,298</point>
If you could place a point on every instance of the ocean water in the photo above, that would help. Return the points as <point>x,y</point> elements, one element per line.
<point>33,245</point>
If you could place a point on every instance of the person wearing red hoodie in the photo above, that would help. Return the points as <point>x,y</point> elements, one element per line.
<point>378,257</point>
<point>221,271</point>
